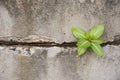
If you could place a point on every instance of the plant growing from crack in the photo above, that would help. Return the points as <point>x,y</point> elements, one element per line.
<point>89,39</point>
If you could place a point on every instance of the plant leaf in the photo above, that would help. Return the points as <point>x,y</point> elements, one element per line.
<point>78,33</point>
<point>88,36</point>
<point>97,49</point>
<point>82,43</point>
<point>97,31</point>
<point>98,41</point>
<point>81,51</point>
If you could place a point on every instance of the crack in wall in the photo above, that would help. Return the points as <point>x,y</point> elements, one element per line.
<point>49,44</point>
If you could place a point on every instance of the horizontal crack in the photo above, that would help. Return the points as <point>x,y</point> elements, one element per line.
<point>39,44</point>
<point>116,42</point>
<point>49,44</point>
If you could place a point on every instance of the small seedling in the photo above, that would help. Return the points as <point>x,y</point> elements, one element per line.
<point>90,39</point>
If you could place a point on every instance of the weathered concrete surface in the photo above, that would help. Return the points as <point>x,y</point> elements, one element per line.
<point>54,63</point>
<point>51,20</point>
<point>54,18</point>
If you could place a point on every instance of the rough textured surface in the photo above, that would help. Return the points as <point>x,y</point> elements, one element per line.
<point>50,18</point>
<point>56,63</point>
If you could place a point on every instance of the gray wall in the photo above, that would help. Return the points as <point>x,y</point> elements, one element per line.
<point>51,20</point>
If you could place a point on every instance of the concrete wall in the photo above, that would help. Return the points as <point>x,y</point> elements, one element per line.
<point>56,63</point>
<point>51,20</point>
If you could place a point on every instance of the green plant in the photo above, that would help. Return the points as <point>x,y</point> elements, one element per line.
<point>89,39</point>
